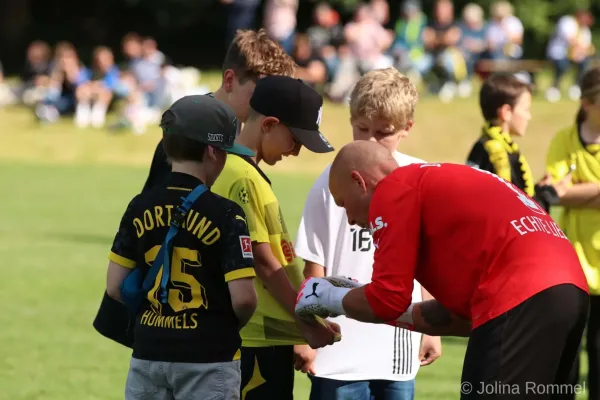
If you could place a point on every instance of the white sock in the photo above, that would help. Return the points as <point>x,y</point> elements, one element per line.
<point>82,115</point>
<point>98,115</point>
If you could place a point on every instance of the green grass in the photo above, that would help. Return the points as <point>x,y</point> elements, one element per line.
<point>63,193</point>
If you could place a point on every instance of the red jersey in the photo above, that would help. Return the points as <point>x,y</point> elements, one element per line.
<point>478,244</point>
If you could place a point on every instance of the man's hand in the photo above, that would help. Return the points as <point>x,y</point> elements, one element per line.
<point>431,349</point>
<point>322,297</point>
<point>304,358</point>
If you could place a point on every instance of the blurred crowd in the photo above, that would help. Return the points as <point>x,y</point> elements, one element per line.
<point>444,52</point>
<point>55,82</point>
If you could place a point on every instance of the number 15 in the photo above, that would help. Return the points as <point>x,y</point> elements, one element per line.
<point>182,278</point>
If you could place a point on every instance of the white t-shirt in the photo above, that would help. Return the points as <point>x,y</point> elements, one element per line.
<point>566,28</point>
<point>366,351</point>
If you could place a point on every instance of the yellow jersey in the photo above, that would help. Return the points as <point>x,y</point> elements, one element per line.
<point>243,182</point>
<point>581,225</point>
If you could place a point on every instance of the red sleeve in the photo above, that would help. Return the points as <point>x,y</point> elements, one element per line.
<point>395,221</point>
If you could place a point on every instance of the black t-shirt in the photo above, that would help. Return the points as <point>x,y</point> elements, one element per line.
<point>198,323</point>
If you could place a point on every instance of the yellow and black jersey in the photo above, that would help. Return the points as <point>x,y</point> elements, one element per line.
<point>497,153</point>
<point>568,153</point>
<point>197,323</point>
<point>245,183</point>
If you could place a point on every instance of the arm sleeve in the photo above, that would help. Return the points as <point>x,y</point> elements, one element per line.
<point>236,246</point>
<point>124,246</point>
<point>313,232</point>
<point>397,240</point>
<point>244,193</point>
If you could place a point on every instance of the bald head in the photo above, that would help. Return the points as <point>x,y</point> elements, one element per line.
<point>363,156</point>
<point>356,170</point>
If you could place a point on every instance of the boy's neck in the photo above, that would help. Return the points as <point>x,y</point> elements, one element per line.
<point>193,168</point>
<point>221,95</point>
<point>250,138</point>
<point>504,126</point>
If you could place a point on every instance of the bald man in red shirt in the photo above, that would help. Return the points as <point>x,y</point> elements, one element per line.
<point>501,270</point>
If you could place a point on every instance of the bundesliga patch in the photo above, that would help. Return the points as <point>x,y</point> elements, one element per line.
<point>246,244</point>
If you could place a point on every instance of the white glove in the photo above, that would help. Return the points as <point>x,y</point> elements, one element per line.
<point>320,297</point>
<point>342,281</point>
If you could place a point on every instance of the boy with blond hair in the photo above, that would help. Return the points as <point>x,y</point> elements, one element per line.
<point>372,361</point>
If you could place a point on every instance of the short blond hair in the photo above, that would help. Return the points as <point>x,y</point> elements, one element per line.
<point>386,94</point>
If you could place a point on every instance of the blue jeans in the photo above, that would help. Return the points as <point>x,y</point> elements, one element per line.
<point>331,389</point>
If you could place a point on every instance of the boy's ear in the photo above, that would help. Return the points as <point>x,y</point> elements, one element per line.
<point>505,113</point>
<point>409,125</point>
<point>228,80</point>
<point>585,104</point>
<point>268,123</point>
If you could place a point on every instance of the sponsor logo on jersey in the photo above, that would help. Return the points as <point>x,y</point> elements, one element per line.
<point>377,225</point>
<point>246,245</point>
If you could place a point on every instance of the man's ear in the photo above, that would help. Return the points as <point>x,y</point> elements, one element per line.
<point>357,179</point>
<point>229,78</point>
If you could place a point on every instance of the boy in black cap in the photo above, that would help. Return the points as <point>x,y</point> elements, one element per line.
<point>187,342</point>
<point>284,115</point>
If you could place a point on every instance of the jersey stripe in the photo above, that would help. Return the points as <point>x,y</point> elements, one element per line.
<point>403,362</point>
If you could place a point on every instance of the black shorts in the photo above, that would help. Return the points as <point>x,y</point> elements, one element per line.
<point>268,373</point>
<point>530,351</point>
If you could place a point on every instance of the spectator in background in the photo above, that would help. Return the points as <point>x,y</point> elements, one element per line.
<point>381,11</point>
<point>408,49</point>
<point>441,39</point>
<point>94,97</point>
<point>241,14</point>
<point>311,68</point>
<point>367,43</point>
<point>148,72</point>
<point>571,44</point>
<point>326,36</point>
<point>472,43</point>
<point>505,33</point>
<point>6,96</point>
<point>35,76</point>
<point>68,73</point>
<point>280,22</point>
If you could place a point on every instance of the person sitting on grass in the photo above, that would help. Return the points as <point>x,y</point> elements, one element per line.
<point>94,97</point>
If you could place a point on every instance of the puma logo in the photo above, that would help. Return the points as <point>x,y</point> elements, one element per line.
<point>314,291</point>
<point>238,217</point>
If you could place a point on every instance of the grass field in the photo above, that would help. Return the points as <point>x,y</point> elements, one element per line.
<point>63,194</point>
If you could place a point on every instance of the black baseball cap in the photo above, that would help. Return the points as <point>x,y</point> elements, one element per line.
<point>204,119</point>
<point>296,105</point>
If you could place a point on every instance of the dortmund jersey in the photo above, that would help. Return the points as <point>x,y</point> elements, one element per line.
<point>197,324</point>
<point>581,225</point>
<point>243,182</point>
